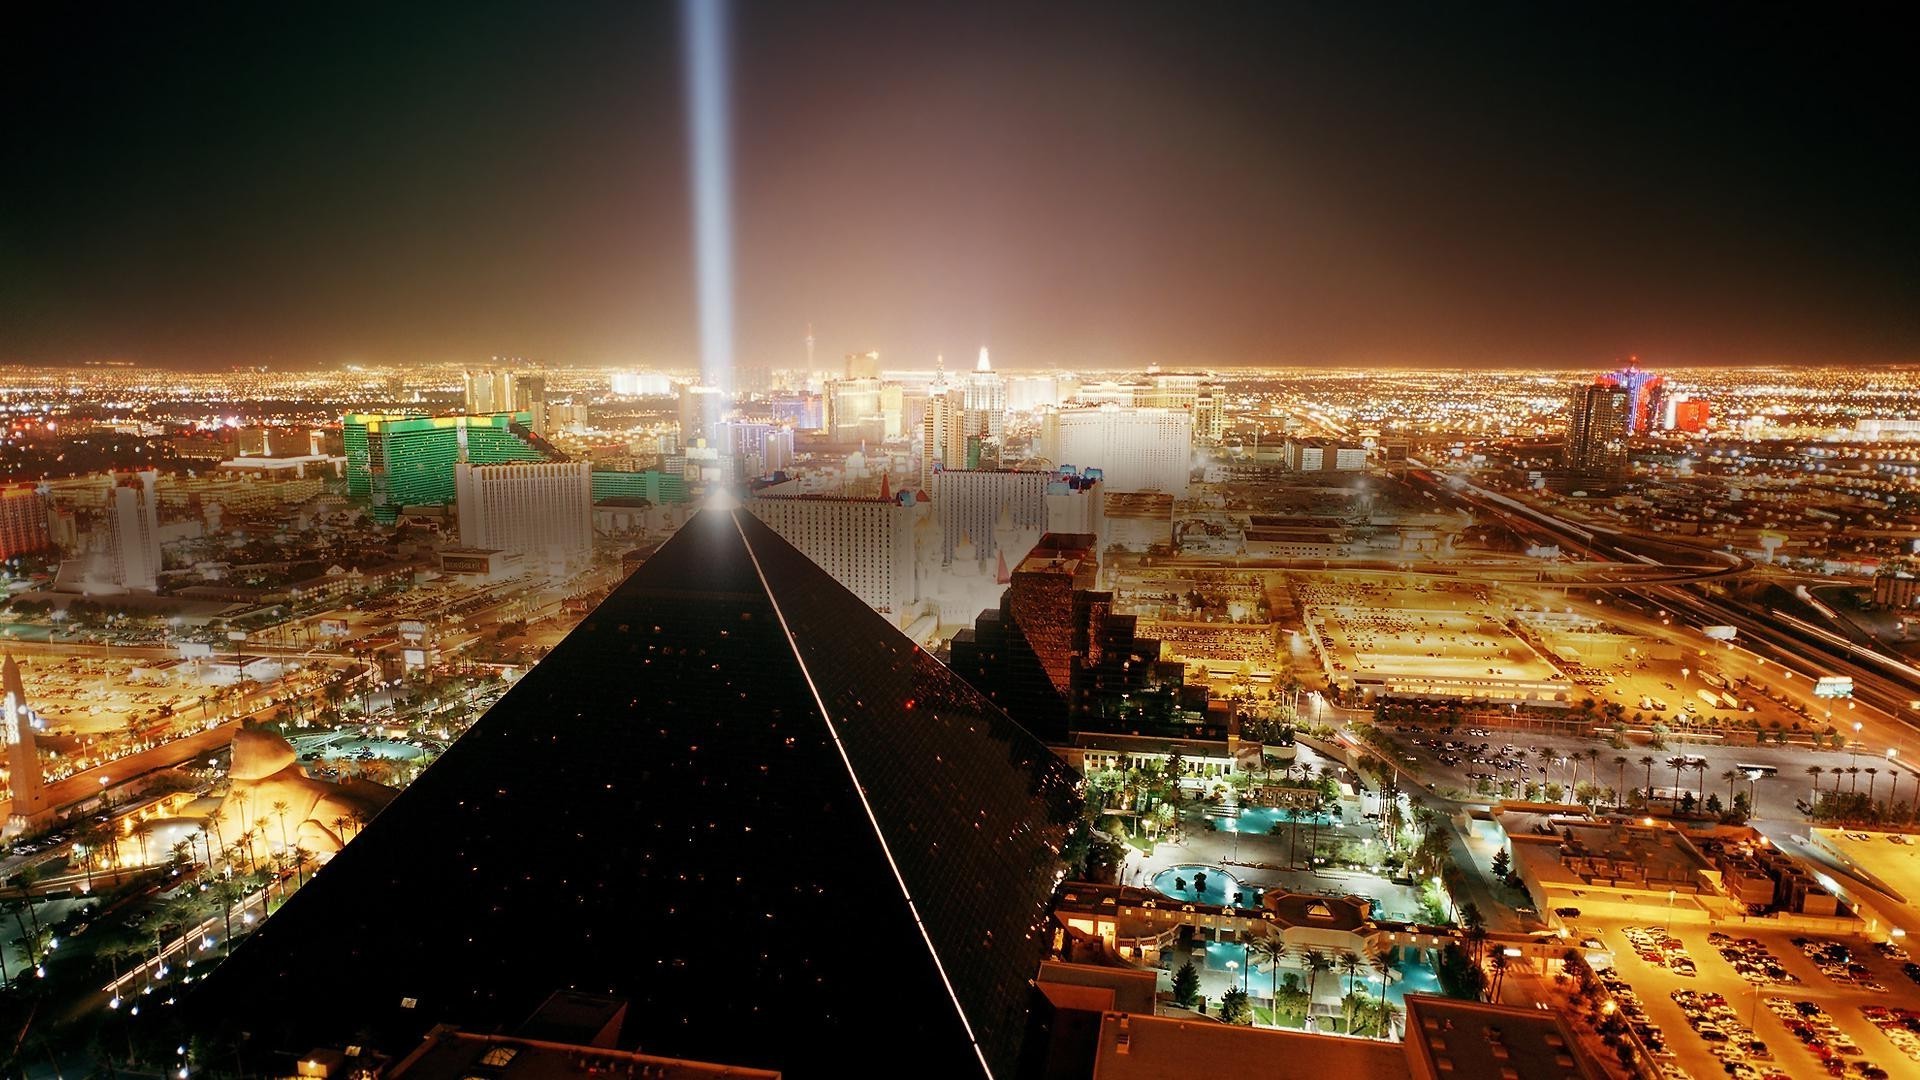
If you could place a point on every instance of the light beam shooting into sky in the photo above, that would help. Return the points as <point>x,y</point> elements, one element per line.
<point>704,26</point>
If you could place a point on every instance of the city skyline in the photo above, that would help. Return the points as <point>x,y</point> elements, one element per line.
<point>1080,541</point>
<point>1078,187</point>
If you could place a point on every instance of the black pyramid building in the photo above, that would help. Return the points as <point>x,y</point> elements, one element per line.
<point>734,796</point>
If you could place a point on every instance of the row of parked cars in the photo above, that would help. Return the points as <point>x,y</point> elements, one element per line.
<point>1838,1054</point>
<point>1742,1054</point>
<point>1635,1014</point>
<point>1900,1026</point>
<point>1752,960</point>
<point>1838,962</point>
<point>1659,948</point>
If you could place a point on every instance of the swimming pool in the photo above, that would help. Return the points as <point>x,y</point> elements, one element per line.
<point>1260,820</point>
<point>1204,885</point>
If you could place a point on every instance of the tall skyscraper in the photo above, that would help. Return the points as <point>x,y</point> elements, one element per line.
<point>1598,424</point>
<point>1646,393</point>
<point>131,558</point>
<point>1057,657</point>
<point>985,400</point>
<point>970,503</point>
<point>687,805</point>
<point>1210,412</point>
<point>492,391</point>
<point>943,433</point>
<point>541,511</point>
<point>397,461</point>
<point>23,521</point>
<point>870,546</point>
<point>856,410</point>
<point>1136,449</point>
<point>701,409</point>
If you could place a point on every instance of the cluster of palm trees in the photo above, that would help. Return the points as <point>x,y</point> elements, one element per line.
<point>249,865</point>
<point>1274,952</point>
<point>1858,805</point>
<point>1853,773</point>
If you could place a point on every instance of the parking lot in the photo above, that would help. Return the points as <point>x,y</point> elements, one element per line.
<point>1759,1005</point>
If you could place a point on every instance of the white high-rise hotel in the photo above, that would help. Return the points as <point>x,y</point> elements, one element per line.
<point>132,554</point>
<point>871,546</point>
<point>540,510</point>
<point>986,400</point>
<point>1135,449</point>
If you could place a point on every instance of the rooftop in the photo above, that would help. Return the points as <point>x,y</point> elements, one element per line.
<point>1476,1041</point>
<point>1138,1047</point>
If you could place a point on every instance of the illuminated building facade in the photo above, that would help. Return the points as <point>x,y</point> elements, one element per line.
<point>396,461</point>
<point>540,510</point>
<point>1645,396</point>
<point>970,504</point>
<point>943,434</point>
<point>1135,448</point>
<point>1688,414</point>
<point>1598,424</point>
<point>131,558</point>
<point>652,485</point>
<point>870,546</point>
<point>1058,658</point>
<point>23,521</point>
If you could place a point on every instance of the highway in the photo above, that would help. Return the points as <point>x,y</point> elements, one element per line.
<point>1882,683</point>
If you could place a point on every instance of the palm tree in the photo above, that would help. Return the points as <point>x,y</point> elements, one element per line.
<point>1732,777</point>
<point>1871,774</point>
<point>213,820</point>
<point>1476,929</point>
<point>25,880</point>
<point>280,808</point>
<point>1350,965</point>
<point>1499,976</point>
<point>300,858</point>
<point>1853,779</point>
<point>1619,792</point>
<point>1383,964</point>
<point>1389,1016</point>
<point>1316,962</point>
<point>1814,771</point>
<point>1273,952</point>
<point>226,892</point>
<point>1647,760</point>
<point>26,939</point>
<point>1593,763</point>
<point>1679,765</point>
<point>1700,766</point>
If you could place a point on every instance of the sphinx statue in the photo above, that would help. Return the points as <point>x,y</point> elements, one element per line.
<point>266,773</point>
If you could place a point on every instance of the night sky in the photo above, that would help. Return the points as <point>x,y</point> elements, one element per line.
<point>1193,184</point>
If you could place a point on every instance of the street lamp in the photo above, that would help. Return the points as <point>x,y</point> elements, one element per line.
<point>1668,932</point>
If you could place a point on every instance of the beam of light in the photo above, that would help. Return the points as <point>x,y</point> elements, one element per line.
<point>704,26</point>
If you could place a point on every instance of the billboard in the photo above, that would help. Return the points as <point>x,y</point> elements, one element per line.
<point>1833,686</point>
